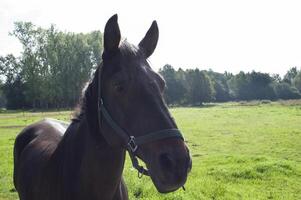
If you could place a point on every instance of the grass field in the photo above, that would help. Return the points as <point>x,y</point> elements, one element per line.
<point>246,150</point>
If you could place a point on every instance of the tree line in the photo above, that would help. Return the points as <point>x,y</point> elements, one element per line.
<point>194,86</point>
<point>54,66</point>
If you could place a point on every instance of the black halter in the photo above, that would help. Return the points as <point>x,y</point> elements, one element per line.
<point>131,143</point>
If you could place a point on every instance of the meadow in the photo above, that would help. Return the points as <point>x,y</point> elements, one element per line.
<point>240,150</point>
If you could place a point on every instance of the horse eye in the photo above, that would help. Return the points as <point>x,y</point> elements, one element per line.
<point>119,87</point>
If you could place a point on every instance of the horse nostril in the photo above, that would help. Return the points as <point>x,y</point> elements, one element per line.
<point>166,161</point>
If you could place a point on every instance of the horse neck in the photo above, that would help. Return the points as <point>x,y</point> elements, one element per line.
<point>100,158</point>
<point>84,167</point>
<point>87,159</point>
<point>101,166</point>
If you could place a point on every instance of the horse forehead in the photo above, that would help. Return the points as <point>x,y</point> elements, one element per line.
<point>145,73</point>
<point>136,67</point>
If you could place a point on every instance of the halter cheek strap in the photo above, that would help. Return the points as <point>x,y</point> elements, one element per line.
<point>131,143</point>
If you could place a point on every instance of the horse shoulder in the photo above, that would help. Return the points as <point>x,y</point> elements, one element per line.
<point>33,147</point>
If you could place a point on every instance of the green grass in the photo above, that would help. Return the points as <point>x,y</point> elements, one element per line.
<point>246,150</point>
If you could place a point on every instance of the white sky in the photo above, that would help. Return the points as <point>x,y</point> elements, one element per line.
<point>232,35</point>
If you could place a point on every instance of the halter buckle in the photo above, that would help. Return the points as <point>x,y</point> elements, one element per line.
<point>101,101</point>
<point>132,144</point>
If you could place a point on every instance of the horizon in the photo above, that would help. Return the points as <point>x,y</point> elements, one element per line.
<point>223,36</point>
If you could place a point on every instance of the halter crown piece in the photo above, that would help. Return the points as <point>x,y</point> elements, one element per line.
<point>130,142</point>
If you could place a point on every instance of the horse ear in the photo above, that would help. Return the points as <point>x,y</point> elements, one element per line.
<point>111,35</point>
<point>150,40</point>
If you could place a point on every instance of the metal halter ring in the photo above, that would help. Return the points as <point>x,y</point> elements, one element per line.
<point>132,144</point>
<point>140,174</point>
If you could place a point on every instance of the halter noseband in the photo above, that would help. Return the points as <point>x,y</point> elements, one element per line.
<point>131,143</point>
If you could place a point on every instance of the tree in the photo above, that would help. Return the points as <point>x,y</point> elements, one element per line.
<point>14,93</point>
<point>238,85</point>
<point>200,87</point>
<point>175,89</point>
<point>297,81</point>
<point>220,85</point>
<point>290,75</point>
<point>221,91</point>
<point>261,86</point>
<point>276,78</point>
<point>14,87</point>
<point>2,96</point>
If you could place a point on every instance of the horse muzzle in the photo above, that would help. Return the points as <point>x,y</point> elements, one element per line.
<point>170,170</point>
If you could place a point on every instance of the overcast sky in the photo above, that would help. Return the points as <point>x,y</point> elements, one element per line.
<point>232,35</point>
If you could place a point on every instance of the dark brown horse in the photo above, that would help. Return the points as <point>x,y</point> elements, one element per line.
<point>122,110</point>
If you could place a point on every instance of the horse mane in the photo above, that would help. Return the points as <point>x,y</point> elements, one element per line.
<point>81,107</point>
